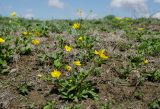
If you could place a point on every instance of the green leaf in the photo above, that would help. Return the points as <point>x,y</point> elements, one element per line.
<point>72,88</point>
<point>57,63</point>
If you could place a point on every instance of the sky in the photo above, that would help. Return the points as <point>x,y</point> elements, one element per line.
<point>73,9</point>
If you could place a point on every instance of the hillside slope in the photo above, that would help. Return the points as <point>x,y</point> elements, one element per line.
<point>109,63</point>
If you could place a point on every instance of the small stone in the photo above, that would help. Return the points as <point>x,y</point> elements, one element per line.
<point>13,70</point>
<point>133,77</point>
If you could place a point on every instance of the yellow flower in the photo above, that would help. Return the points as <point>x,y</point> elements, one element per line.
<point>76,26</point>
<point>37,33</point>
<point>77,63</point>
<point>140,29</point>
<point>14,14</point>
<point>146,61</point>
<point>25,33</point>
<point>35,42</point>
<point>70,80</point>
<point>68,48</point>
<point>80,38</point>
<point>68,68</point>
<point>101,54</point>
<point>2,40</point>
<point>56,74</point>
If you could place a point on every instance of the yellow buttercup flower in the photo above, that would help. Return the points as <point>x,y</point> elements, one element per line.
<point>76,26</point>
<point>70,80</point>
<point>25,33</point>
<point>37,33</point>
<point>56,74</point>
<point>14,14</point>
<point>146,61</point>
<point>68,48</point>
<point>68,68</point>
<point>101,54</point>
<point>80,38</point>
<point>77,63</point>
<point>2,40</point>
<point>96,52</point>
<point>140,29</point>
<point>35,42</point>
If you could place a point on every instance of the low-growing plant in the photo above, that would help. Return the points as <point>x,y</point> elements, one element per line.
<point>97,71</point>
<point>85,42</point>
<point>57,59</point>
<point>136,61</point>
<point>6,52</point>
<point>41,59</point>
<point>123,72</point>
<point>99,61</point>
<point>107,105</point>
<point>61,42</point>
<point>4,68</point>
<point>85,56</point>
<point>76,87</point>
<point>123,46</point>
<point>23,45</point>
<point>149,47</point>
<point>155,104</point>
<point>154,76</point>
<point>24,88</point>
<point>49,105</point>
